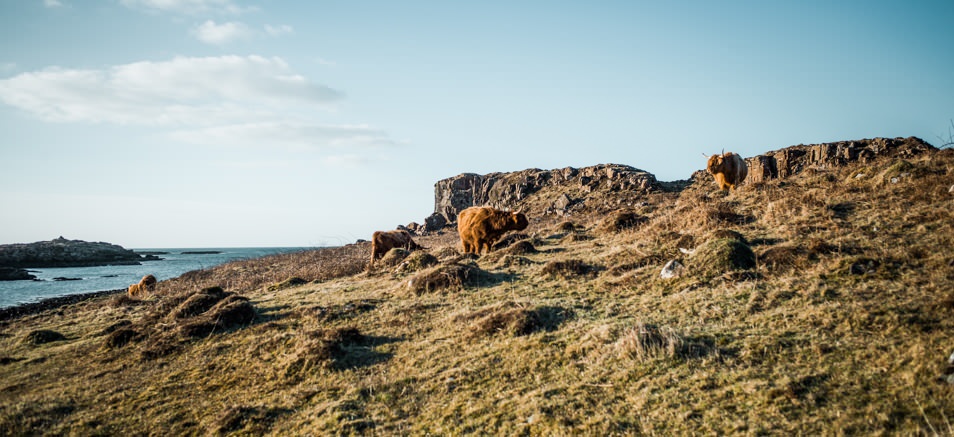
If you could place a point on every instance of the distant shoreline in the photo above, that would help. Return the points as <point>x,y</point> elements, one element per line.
<point>17,311</point>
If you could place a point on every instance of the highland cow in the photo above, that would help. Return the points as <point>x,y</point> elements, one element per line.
<point>480,227</point>
<point>383,241</point>
<point>728,169</point>
<point>145,285</point>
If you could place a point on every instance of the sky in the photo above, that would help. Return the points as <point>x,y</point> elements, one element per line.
<point>243,123</point>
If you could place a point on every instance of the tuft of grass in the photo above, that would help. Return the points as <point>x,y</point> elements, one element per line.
<point>722,255</point>
<point>42,336</point>
<point>569,269</point>
<point>419,260</point>
<point>446,277</point>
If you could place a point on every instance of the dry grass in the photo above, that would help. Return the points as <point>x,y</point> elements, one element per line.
<point>837,322</point>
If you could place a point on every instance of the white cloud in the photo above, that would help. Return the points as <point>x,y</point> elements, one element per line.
<point>292,135</point>
<point>228,100</point>
<point>187,91</point>
<point>278,30</point>
<point>186,7</point>
<point>52,4</point>
<point>211,33</point>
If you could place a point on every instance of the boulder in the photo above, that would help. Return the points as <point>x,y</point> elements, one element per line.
<point>672,269</point>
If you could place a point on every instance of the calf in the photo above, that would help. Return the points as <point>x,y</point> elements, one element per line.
<point>145,285</point>
<point>383,241</point>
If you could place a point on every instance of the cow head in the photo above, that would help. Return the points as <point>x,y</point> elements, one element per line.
<point>149,282</point>
<point>519,221</point>
<point>715,164</point>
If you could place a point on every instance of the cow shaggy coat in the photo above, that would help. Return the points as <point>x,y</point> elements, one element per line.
<point>728,169</point>
<point>480,227</point>
<point>383,241</point>
<point>145,285</point>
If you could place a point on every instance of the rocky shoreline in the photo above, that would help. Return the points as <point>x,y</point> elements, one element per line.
<point>26,309</point>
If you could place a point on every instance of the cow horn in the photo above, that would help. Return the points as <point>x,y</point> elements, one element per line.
<point>723,152</point>
<point>704,155</point>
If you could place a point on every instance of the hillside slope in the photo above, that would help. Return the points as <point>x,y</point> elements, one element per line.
<point>820,303</point>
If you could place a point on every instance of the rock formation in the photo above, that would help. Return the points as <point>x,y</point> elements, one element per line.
<point>792,160</point>
<point>67,253</point>
<point>15,274</point>
<point>569,190</point>
<point>512,190</point>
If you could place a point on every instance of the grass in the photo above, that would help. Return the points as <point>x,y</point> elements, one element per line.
<point>567,330</point>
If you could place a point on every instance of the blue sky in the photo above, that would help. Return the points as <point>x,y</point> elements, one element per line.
<point>202,123</point>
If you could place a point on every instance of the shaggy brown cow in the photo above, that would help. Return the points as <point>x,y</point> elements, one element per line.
<point>383,241</point>
<point>480,227</point>
<point>145,285</point>
<point>729,170</point>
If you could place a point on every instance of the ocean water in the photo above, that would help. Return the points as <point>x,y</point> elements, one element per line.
<point>89,279</point>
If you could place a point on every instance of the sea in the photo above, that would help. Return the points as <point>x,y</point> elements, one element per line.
<point>56,282</point>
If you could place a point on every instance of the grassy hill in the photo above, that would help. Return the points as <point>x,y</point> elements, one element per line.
<point>822,303</point>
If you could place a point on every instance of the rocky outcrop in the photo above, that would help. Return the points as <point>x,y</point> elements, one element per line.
<point>792,160</point>
<point>67,253</point>
<point>567,187</point>
<point>15,274</point>
<point>612,187</point>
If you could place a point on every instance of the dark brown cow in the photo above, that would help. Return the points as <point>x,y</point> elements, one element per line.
<point>728,169</point>
<point>145,285</point>
<point>481,226</point>
<point>383,241</point>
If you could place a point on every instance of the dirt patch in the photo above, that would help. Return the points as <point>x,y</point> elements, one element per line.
<point>42,336</point>
<point>569,269</point>
<point>247,420</point>
<point>509,240</point>
<point>522,247</point>
<point>294,281</point>
<point>338,312</point>
<point>622,221</point>
<point>514,321</point>
<point>232,312</point>
<point>729,234</point>
<point>325,348</point>
<point>120,337</point>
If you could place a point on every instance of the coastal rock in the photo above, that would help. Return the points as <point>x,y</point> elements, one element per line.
<point>792,160</point>
<point>518,189</point>
<point>67,253</point>
<point>15,274</point>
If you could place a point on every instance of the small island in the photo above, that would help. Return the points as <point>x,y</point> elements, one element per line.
<point>61,252</point>
<point>201,252</point>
